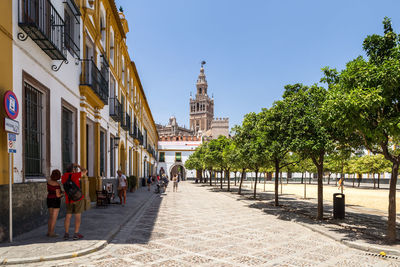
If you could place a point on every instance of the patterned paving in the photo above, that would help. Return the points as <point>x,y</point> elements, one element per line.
<point>196,227</point>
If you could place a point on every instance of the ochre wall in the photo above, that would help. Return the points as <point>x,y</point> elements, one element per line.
<point>5,81</point>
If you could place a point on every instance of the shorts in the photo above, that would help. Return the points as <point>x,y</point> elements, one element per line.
<point>53,203</point>
<point>76,207</point>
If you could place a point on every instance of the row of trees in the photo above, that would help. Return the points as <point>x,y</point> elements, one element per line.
<point>358,109</point>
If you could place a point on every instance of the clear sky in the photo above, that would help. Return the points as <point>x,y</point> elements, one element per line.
<point>252,47</point>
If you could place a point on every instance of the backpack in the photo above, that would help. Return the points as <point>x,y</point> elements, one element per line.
<point>73,191</point>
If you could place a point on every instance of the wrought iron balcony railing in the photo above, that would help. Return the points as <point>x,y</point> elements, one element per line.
<point>126,122</point>
<point>140,137</point>
<point>91,76</point>
<point>41,21</point>
<point>115,109</point>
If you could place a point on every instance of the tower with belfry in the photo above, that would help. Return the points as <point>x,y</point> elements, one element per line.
<point>202,106</point>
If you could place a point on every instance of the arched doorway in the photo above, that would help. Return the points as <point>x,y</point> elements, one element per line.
<point>178,169</point>
<point>122,158</point>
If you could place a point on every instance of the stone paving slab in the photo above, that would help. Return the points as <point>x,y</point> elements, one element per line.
<point>198,227</point>
<point>98,226</point>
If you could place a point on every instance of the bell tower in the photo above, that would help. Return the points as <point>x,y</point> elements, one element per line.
<point>202,107</point>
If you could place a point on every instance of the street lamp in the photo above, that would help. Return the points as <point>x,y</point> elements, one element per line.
<point>116,141</point>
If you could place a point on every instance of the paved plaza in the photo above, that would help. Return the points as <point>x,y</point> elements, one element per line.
<point>199,227</point>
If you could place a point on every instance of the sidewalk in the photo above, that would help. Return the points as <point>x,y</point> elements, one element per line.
<point>99,226</point>
<point>362,228</point>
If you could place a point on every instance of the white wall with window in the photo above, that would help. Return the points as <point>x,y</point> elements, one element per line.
<point>48,100</point>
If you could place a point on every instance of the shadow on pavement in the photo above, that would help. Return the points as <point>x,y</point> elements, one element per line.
<point>360,225</point>
<point>98,225</point>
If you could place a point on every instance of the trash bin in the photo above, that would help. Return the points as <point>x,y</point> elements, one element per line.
<point>338,206</point>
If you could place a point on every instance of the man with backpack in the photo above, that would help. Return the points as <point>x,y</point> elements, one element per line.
<point>74,199</point>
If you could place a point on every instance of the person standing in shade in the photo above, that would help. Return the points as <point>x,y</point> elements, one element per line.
<point>53,201</point>
<point>122,185</point>
<point>175,181</point>
<point>149,182</point>
<point>73,207</point>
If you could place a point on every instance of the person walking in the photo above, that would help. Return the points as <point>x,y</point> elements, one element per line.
<point>175,180</point>
<point>74,173</point>
<point>122,185</point>
<point>149,182</point>
<point>53,201</point>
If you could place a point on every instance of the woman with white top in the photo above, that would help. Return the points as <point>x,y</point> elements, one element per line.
<point>122,185</point>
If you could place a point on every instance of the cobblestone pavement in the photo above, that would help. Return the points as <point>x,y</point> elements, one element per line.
<point>196,227</point>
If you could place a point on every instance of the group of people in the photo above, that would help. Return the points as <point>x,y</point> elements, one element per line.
<point>74,206</point>
<point>162,183</point>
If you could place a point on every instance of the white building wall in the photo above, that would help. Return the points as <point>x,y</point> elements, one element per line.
<point>186,148</point>
<point>64,84</point>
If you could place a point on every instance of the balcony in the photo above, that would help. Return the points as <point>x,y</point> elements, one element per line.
<point>42,23</point>
<point>92,77</point>
<point>140,137</point>
<point>126,122</point>
<point>115,109</point>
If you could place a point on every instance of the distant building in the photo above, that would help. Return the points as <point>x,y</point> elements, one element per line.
<point>177,143</point>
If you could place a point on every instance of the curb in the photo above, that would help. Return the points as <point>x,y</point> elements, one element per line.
<point>94,248</point>
<point>367,248</point>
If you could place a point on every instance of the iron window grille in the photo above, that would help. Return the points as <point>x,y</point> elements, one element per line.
<point>33,154</point>
<point>41,21</point>
<point>91,76</point>
<point>115,109</point>
<point>67,138</point>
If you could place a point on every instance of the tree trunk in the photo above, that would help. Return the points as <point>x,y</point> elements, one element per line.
<point>309,181</point>
<point>302,177</point>
<point>255,185</point>
<point>354,179</point>
<point>373,178</point>
<point>379,179</point>
<point>228,176</point>
<point>320,213</point>
<point>276,182</point>
<point>391,230</point>
<point>210,177</point>
<point>359,179</point>
<point>329,177</point>
<point>221,179</point>
<point>241,182</point>
<point>265,178</point>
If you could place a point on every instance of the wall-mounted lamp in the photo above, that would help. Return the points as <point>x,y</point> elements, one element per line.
<point>116,141</point>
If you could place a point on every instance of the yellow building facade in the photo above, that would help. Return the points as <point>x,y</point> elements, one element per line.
<point>6,82</point>
<point>117,130</point>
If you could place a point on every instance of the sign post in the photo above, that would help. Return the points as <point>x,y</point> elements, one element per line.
<point>11,107</point>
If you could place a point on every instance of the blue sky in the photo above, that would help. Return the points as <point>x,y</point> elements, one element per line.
<point>252,47</point>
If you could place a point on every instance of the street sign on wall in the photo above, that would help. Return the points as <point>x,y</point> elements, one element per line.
<point>12,141</point>
<point>11,105</point>
<point>11,126</point>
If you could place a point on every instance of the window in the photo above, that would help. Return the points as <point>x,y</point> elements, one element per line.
<point>67,138</point>
<point>102,153</point>
<point>178,156</point>
<point>123,71</point>
<point>162,157</point>
<point>112,157</point>
<point>112,49</point>
<point>71,31</point>
<point>103,28</point>
<point>33,132</point>
<point>36,122</point>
